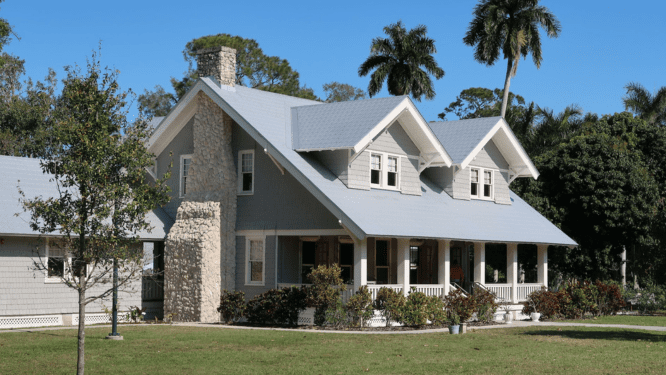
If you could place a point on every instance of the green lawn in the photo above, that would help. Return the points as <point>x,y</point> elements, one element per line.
<point>635,320</point>
<point>190,350</point>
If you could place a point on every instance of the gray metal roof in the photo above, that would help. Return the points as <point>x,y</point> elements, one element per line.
<point>154,122</point>
<point>26,174</point>
<point>460,137</point>
<point>266,117</point>
<point>338,125</point>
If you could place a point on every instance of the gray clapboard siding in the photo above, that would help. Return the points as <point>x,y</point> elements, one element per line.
<point>490,157</point>
<point>359,172</point>
<point>289,259</point>
<point>269,267</point>
<point>182,144</point>
<point>24,291</point>
<point>336,162</point>
<point>395,141</point>
<point>279,201</point>
<point>409,180</point>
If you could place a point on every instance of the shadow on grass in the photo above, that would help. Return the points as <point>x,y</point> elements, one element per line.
<point>617,335</point>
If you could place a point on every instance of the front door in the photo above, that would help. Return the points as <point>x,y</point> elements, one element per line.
<point>427,272</point>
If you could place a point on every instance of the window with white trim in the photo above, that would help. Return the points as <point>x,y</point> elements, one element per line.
<point>60,264</point>
<point>246,172</point>
<point>384,171</point>
<point>481,183</point>
<point>382,261</point>
<point>255,261</point>
<point>185,161</point>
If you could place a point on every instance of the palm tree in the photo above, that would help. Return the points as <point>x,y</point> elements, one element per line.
<point>512,27</point>
<point>401,59</point>
<point>553,129</point>
<point>649,107</point>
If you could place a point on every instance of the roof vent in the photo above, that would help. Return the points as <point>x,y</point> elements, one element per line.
<point>219,63</point>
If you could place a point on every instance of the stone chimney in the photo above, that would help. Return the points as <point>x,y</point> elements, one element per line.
<point>219,63</point>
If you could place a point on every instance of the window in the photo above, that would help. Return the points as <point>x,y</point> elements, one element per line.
<point>61,265</point>
<point>246,172</point>
<point>185,161</point>
<point>55,264</point>
<point>384,171</point>
<point>254,253</point>
<point>413,264</point>
<point>308,256</point>
<point>347,262</point>
<point>481,189</point>
<point>382,261</point>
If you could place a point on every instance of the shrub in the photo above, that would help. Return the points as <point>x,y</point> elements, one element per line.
<point>610,299</point>
<point>325,290</point>
<point>389,303</point>
<point>277,306</point>
<point>436,310</point>
<point>337,316</point>
<point>415,310</point>
<point>652,298</point>
<point>232,306</point>
<point>543,301</point>
<point>359,306</point>
<point>459,307</point>
<point>485,304</point>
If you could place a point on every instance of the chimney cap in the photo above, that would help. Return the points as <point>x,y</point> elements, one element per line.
<point>204,51</point>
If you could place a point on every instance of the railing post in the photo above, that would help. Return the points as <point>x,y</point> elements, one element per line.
<point>403,264</point>
<point>512,269</point>
<point>360,262</point>
<point>444,264</point>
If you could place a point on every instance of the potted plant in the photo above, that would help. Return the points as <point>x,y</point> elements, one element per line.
<point>454,323</point>
<point>535,314</point>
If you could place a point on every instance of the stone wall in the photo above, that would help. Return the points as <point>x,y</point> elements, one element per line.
<point>192,263</point>
<point>218,62</point>
<point>198,266</point>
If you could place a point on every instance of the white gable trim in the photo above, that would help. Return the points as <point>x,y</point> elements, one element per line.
<point>406,106</point>
<point>526,170</point>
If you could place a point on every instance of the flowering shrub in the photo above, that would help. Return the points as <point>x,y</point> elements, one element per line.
<point>232,306</point>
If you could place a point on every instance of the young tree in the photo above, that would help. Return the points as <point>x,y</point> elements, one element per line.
<point>342,92</point>
<point>510,27</point>
<point>404,60</point>
<point>98,160</point>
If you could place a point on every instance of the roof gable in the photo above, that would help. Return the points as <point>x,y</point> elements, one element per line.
<point>464,139</point>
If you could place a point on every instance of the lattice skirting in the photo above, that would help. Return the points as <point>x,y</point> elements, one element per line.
<point>100,318</point>
<point>30,321</point>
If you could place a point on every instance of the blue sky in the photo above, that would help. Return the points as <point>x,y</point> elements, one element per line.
<point>602,47</point>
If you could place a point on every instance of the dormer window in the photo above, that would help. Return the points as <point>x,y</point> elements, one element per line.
<point>384,171</point>
<point>481,183</point>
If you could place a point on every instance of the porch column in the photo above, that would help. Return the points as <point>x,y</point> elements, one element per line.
<point>360,263</point>
<point>542,265</point>
<point>480,262</point>
<point>444,266</point>
<point>512,269</point>
<point>403,264</point>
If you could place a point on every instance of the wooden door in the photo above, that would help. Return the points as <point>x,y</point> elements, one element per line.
<point>427,271</point>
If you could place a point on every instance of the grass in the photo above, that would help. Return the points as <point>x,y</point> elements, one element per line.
<point>636,320</point>
<point>195,350</point>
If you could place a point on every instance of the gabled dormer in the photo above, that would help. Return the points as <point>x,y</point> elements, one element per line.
<point>486,156</point>
<point>371,144</point>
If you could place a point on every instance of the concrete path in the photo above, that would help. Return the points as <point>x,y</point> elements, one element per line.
<point>515,324</point>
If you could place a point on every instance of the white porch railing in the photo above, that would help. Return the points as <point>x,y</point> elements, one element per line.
<point>374,289</point>
<point>430,289</point>
<point>525,290</point>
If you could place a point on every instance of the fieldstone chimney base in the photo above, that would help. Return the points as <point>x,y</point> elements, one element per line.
<point>192,264</point>
<point>218,62</point>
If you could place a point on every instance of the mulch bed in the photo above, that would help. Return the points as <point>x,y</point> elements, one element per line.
<point>366,329</point>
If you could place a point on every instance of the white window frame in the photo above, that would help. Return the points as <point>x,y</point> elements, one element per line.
<point>383,176</point>
<point>481,182</point>
<point>248,267</point>
<point>240,172</point>
<point>181,194</point>
<point>67,266</point>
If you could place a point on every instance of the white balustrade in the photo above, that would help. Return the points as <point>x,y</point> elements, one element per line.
<point>502,291</point>
<point>374,289</point>
<point>430,289</point>
<point>525,290</point>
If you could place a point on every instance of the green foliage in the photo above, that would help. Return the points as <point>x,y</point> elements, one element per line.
<point>277,306</point>
<point>338,316</point>
<point>485,304</point>
<point>649,107</point>
<point>459,307</point>
<point>342,92</point>
<point>576,300</point>
<point>156,103</point>
<point>359,306</point>
<point>232,306</point>
<point>325,290</point>
<point>545,302</point>
<point>415,311</point>
<point>389,303</point>
<point>436,310</point>
<point>404,60</point>
<point>652,298</point>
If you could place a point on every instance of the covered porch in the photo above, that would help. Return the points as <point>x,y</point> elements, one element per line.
<point>434,267</point>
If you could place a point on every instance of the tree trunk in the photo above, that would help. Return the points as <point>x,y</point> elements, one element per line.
<point>507,83</point>
<point>82,326</point>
